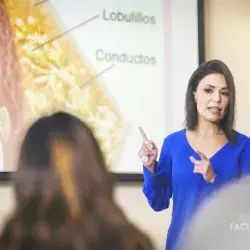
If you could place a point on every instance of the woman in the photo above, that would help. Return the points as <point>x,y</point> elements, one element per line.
<point>64,196</point>
<point>197,160</point>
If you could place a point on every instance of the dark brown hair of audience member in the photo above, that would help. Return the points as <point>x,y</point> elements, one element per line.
<point>64,194</point>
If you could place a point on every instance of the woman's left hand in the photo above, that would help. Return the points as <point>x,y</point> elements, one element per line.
<point>203,167</point>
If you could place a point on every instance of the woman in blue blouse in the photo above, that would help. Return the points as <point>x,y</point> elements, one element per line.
<point>197,160</point>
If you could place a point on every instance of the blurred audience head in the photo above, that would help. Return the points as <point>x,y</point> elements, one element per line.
<point>64,194</point>
<point>223,222</point>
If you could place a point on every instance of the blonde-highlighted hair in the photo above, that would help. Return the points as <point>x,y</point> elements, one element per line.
<point>64,193</point>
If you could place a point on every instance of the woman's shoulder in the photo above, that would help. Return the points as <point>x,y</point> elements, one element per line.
<point>242,139</point>
<point>175,137</point>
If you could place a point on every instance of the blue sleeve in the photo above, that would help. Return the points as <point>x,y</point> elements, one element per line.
<point>218,181</point>
<point>244,164</point>
<point>157,187</point>
<point>245,160</point>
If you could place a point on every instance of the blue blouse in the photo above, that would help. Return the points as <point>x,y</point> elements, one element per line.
<point>174,178</point>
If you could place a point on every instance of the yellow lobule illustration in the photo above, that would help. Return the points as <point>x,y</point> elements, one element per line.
<point>55,75</point>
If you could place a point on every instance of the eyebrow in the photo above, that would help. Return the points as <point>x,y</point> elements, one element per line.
<point>208,85</point>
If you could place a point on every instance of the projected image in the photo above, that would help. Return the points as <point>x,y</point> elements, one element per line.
<point>11,94</point>
<point>54,76</point>
<point>99,60</point>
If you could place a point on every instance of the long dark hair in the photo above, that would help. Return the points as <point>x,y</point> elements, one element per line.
<point>64,194</point>
<point>211,67</point>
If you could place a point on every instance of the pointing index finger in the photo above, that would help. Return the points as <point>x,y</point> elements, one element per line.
<point>143,135</point>
<point>194,161</point>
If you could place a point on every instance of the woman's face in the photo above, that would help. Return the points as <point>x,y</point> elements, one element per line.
<point>212,97</point>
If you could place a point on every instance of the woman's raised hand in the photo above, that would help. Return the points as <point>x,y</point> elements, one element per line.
<point>148,152</point>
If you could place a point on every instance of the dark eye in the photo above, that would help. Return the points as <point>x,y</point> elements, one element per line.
<point>225,93</point>
<point>208,90</point>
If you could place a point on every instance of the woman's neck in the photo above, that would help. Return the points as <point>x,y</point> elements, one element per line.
<point>208,129</point>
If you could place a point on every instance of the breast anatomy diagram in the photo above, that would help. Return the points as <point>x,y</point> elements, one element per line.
<point>94,59</point>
